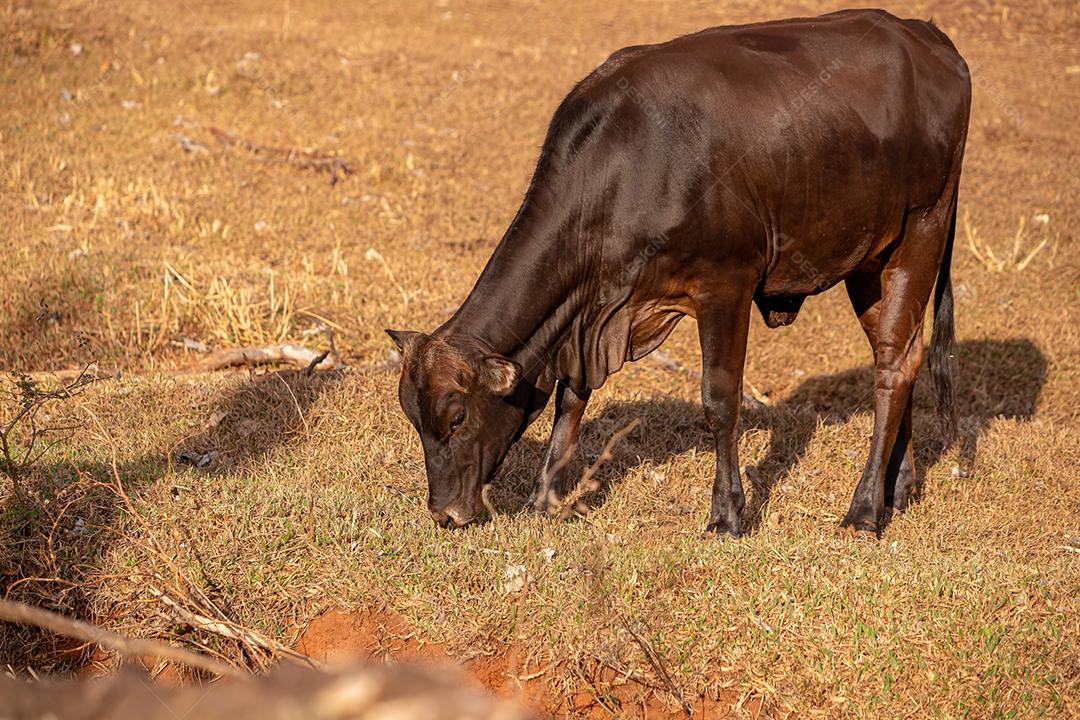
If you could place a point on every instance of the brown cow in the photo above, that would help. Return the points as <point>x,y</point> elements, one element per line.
<point>754,164</point>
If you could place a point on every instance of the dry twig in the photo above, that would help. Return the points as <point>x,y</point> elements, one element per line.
<point>24,614</point>
<point>572,504</point>
<point>29,399</point>
<point>228,629</point>
<point>658,665</point>
<point>306,159</point>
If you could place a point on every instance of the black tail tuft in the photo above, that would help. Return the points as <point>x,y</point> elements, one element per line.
<point>942,341</point>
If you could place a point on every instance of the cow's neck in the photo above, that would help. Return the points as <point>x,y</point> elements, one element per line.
<point>526,297</point>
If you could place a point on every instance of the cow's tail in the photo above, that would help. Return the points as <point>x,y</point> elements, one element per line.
<point>942,340</point>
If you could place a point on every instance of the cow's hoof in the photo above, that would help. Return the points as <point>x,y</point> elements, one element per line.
<point>857,531</point>
<point>899,507</point>
<point>722,530</point>
<point>547,505</point>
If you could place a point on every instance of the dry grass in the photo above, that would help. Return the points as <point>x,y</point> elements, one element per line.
<point>1021,255</point>
<point>121,244</point>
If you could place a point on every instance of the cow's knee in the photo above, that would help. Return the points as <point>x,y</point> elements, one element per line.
<point>720,400</point>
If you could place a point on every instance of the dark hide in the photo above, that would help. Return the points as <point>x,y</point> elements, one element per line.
<point>755,164</point>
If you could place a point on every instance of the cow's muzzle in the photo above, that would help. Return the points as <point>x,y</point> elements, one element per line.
<point>452,517</point>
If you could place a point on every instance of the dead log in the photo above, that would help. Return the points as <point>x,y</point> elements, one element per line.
<point>279,354</point>
<point>270,354</point>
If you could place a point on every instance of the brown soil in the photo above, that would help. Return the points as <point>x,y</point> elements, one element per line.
<point>380,634</point>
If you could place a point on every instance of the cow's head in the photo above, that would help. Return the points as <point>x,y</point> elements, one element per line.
<point>461,401</point>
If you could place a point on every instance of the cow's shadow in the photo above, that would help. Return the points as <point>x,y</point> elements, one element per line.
<point>69,516</point>
<point>994,378</point>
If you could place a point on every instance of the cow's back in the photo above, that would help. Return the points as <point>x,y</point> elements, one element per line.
<point>783,154</point>
<point>806,142</point>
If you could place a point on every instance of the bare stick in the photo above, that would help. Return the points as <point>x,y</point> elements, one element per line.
<point>285,353</point>
<point>29,399</point>
<point>301,158</point>
<point>17,612</point>
<point>588,483</point>
<point>315,362</point>
<point>654,659</point>
<point>231,630</point>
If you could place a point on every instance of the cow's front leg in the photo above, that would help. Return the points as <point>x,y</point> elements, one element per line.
<point>569,408</point>
<point>722,328</point>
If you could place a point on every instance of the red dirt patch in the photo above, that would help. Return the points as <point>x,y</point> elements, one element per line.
<point>337,637</point>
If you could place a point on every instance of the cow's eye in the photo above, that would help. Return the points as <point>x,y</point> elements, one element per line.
<point>456,422</point>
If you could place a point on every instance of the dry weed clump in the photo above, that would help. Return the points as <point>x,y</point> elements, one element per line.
<point>24,439</point>
<point>234,316</point>
<point>1020,256</point>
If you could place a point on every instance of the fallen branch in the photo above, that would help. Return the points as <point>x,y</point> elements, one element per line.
<point>366,692</point>
<point>22,614</point>
<point>306,159</point>
<point>309,360</point>
<point>315,362</point>
<point>230,630</point>
<point>283,353</point>
<point>658,665</point>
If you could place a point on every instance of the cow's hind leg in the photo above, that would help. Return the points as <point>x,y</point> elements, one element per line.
<point>569,408</point>
<point>905,286</point>
<point>901,483</point>
<point>723,323</point>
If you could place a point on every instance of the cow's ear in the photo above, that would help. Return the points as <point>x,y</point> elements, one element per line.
<point>499,375</point>
<point>404,339</point>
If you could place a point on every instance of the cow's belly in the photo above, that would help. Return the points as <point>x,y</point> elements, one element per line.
<point>807,270</point>
<point>809,263</point>
<point>811,257</point>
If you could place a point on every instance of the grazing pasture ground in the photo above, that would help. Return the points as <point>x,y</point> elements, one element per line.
<point>180,177</point>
